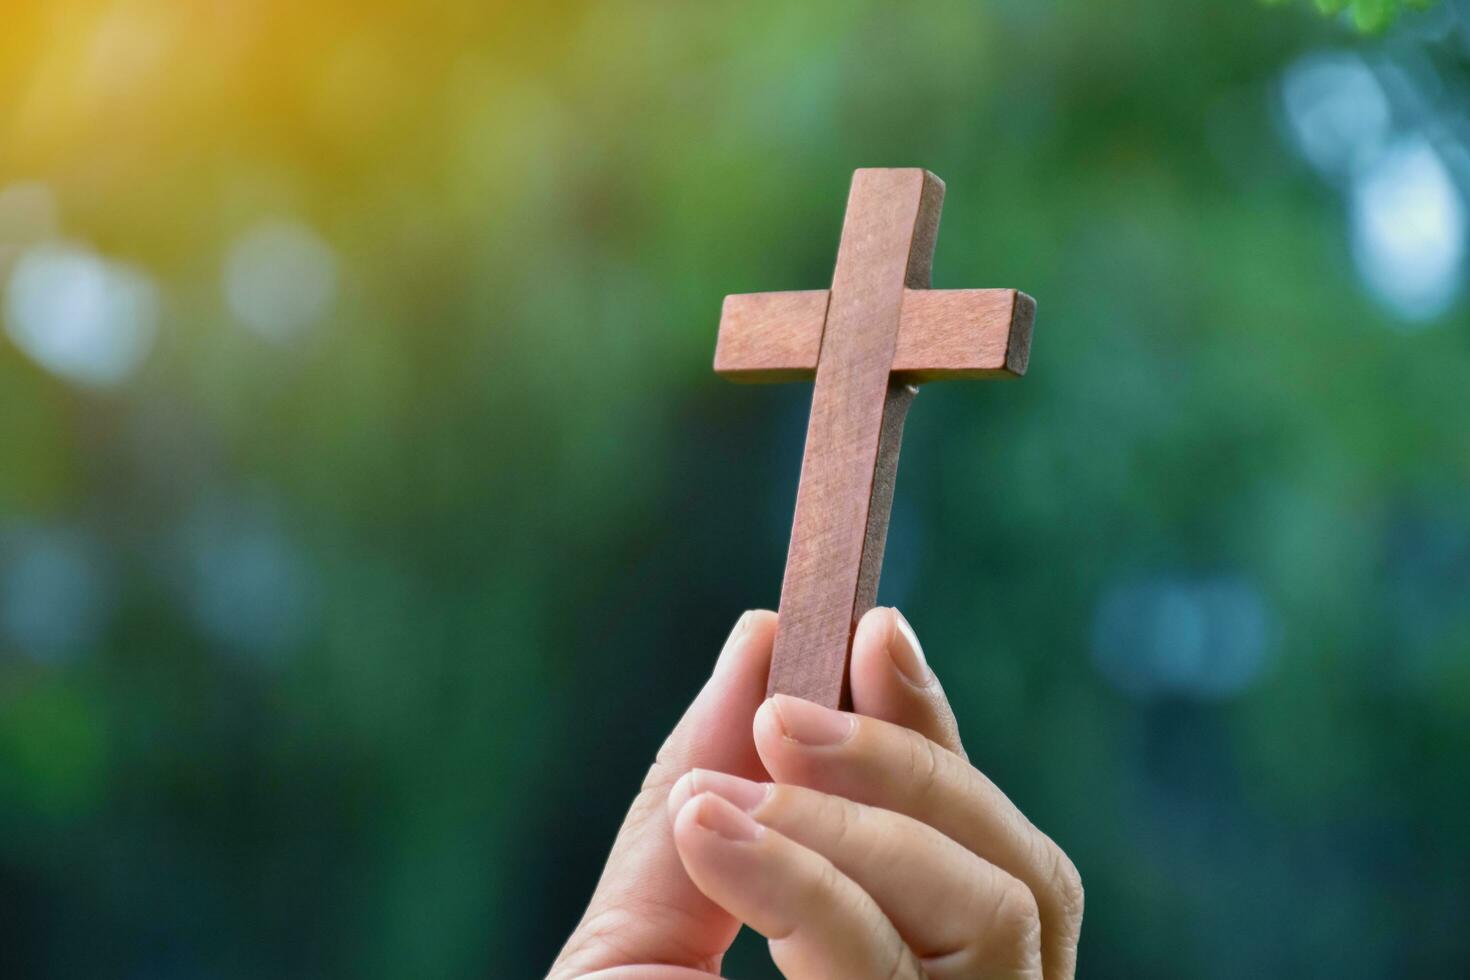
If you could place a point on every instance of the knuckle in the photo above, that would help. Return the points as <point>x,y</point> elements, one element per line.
<point>661,776</point>
<point>902,965</point>
<point>1069,886</point>
<point>652,795</point>
<point>839,818</point>
<point>1064,883</point>
<point>672,752</point>
<point>925,765</point>
<point>1015,918</point>
<point>823,885</point>
<point>605,928</point>
<point>1003,937</point>
<point>605,936</point>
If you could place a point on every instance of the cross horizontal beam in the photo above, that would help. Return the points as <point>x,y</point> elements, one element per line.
<point>943,334</point>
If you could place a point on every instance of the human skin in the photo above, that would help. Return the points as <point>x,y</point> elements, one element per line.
<point>861,844</point>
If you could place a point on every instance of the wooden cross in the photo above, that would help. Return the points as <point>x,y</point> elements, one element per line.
<point>868,340</point>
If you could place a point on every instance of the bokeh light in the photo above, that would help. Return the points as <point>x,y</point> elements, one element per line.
<point>1337,110</point>
<point>245,583</point>
<point>77,314</point>
<point>1385,153</point>
<point>1172,637</point>
<point>1409,230</point>
<point>54,594</point>
<point>280,279</point>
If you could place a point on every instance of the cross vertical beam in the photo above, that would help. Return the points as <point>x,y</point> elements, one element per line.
<point>851,455</point>
<point>867,341</point>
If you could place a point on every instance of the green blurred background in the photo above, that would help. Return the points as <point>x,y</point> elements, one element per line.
<point>369,509</point>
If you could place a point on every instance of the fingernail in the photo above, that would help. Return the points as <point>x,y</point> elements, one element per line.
<point>907,655</point>
<point>811,724</point>
<point>741,625</point>
<point>725,819</point>
<point>744,793</point>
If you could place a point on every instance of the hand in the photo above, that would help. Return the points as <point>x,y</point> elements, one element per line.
<point>862,844</point>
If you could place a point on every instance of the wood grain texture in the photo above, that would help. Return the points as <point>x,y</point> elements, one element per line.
<point>943,334</point>
<point>771,336</point>
<point>887,242</point>
<point>867,341</point>
<point>958,334</point>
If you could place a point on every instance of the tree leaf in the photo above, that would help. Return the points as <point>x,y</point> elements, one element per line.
<point>1371,16</point>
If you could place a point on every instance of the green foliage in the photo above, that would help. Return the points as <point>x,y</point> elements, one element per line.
<point>1373,15</point>
<point>1368,16</point>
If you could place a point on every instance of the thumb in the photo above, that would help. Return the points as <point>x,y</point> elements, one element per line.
<point>645,908</point>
